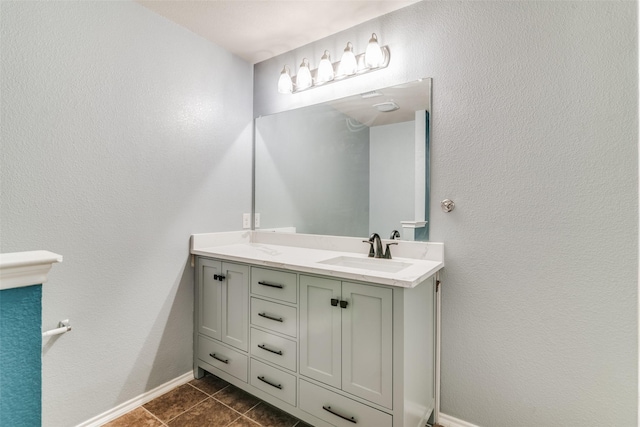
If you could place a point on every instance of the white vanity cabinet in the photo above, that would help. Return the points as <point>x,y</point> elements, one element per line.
<point>222,315</point>
<point>346,337</point>
<point>330,351</point>
<point>223,289</point>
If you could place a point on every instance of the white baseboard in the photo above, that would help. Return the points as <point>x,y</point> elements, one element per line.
<point>130,405</point>
<point>449,421</point>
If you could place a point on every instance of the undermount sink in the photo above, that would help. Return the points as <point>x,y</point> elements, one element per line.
<point>376,264</point>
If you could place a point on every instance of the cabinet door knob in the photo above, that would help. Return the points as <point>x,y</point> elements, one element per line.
<point>344,304</point>
<point>334,302</point>
<point>219,277</point>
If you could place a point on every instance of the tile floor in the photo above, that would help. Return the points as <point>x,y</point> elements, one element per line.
<point>211,402</point>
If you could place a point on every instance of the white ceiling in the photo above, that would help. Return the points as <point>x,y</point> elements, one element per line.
<point>261,29</point>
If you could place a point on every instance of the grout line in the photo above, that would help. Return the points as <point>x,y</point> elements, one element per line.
<point>205,392</point>
<point>187,410</point>
<point>224,404</point>
<point>245,417</point>
<point>246,412</point>
<point>152,414</point>
<point>222,389</point>
<point>233,421</point>
<point>259,402</point>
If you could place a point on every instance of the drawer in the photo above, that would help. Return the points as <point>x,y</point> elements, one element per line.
<point>338,410</point>
<point>222,357</point>
<point>273,381</point>
<point>274,316</point>
<point>274,284</point>
<point>274,349</point>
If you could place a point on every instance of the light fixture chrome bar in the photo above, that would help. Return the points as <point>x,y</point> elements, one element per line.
<point>362,69</point>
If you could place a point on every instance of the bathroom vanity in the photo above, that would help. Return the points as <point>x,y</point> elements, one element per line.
<point>312,325</point>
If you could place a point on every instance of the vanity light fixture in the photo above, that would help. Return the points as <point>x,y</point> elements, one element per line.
<point>304,80</point>
<point>375,58</point>
<point>325,69</point>
<point>373,55</point>
<point>348,64</point>
<point>285,84</point>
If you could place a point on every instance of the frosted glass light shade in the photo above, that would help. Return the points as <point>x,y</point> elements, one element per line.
<point>348,64</point>
<point>325,69</point>
<point>373,55</point>
<point>285,85</point>
<point>303,79</point>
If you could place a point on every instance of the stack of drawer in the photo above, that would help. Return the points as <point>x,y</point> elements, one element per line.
<point>274,332</point>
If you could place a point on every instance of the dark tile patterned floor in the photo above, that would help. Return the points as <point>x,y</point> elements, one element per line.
<point>210,402</point>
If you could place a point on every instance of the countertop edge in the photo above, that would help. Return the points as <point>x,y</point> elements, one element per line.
<point>322,270</point>
<point>20,269</point>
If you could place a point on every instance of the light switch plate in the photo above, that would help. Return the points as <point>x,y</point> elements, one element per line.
<point>257,221</point>
<point>246,220</point>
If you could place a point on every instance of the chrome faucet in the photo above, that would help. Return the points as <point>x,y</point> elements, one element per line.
<point>375,252</point>
<point>387,253</point>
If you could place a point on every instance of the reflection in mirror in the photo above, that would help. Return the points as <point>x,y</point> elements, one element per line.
<point>348,167</point>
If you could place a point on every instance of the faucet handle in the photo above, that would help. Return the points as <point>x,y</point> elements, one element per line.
<point>387,253</point>
<point>372,253</point>
<point>394,234</point>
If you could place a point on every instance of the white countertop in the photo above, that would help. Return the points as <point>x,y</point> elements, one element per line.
<point>306,252</point>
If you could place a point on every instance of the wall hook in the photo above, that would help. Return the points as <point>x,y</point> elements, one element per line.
<point>447,205</point>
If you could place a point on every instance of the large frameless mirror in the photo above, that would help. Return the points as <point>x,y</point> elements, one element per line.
<point>348,167</point>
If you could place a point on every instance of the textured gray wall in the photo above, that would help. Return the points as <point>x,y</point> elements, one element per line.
<point>122,134</point>
<point>534,137</point>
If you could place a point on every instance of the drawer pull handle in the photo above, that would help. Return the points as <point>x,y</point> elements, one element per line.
<point>215,356</point>
<point>271,285</point>
<point>278,386</point>
<point>264,347</point>
<point>266,316</point>
<point>350,419</point>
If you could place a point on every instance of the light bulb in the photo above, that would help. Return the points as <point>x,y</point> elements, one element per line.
<point>373,54</point>
<point>285,85</point>
<point>348,64</point>
<point>325,69</point>
<point>303,80</point>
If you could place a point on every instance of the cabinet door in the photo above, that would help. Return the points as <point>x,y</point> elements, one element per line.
<point>367,342</point>
<point>235,306</point>
<point>320,330</point>
<point>209,298</point>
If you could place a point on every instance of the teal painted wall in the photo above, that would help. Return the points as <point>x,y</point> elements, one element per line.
<point>21,356</point>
